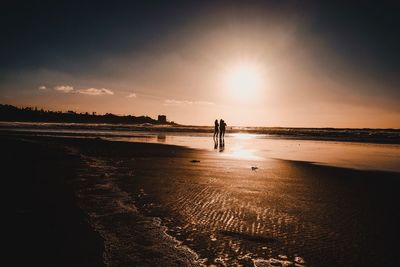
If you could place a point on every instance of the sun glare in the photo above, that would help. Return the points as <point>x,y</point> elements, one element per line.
<point>244,79</point>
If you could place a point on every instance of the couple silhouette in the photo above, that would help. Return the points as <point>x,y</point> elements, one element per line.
<point>219,129</point>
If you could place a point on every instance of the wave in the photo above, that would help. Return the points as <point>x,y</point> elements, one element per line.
<point>388,136</point>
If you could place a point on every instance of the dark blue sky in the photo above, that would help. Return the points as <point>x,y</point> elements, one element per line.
<point>37,33</point>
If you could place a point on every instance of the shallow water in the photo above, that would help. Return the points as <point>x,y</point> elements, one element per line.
<point>248,146</point>
<point>257,147</point>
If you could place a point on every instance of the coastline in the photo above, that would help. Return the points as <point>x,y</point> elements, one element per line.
<point>133,192</point>
<point>361,135</point>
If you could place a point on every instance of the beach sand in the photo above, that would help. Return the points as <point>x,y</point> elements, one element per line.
<point>88,201</point>
<point>45,226</point>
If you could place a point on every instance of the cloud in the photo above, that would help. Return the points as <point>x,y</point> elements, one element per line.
<point>95,91</point>
<point>177,102</point>
<point>174,102</point>
<point>203,103</point>
<point>64,89</point>
<point>89,91</point>
<point>131,95</point>
<point>42,87</point>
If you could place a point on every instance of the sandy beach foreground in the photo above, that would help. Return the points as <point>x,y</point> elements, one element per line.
<point>89,202</point>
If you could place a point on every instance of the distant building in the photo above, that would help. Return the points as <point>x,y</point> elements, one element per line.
<point>162,118</point>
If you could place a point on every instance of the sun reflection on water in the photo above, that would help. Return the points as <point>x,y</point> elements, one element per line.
<point>242,153</point>
<point>244,136</point>
<point>239,151</point>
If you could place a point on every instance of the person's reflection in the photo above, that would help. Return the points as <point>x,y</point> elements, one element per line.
<point>221,145</point>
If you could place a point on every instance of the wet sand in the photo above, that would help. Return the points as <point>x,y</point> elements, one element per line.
<point>44,225</point>
<point>164,205</point>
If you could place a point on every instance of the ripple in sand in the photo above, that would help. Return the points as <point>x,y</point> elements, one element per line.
<point>281,261</point>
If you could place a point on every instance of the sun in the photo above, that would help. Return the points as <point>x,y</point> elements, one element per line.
<point>244,79</point>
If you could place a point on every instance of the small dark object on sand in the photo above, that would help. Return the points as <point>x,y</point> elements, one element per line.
<point>254,168</point>
<point>194,161</point>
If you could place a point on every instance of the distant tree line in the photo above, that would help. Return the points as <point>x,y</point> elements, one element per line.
<point>29,114</point>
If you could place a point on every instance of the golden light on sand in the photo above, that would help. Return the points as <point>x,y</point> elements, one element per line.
<point>244,80</point>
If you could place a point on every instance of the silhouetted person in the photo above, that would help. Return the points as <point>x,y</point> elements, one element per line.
<point>222,126</point>
<point>223,130</point>
<point>216,129</point>
<point>221,122</point>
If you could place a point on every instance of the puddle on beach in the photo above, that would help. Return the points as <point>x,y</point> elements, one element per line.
<point>368,156</point>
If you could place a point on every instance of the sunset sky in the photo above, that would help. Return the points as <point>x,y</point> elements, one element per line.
<point>253,63</point>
